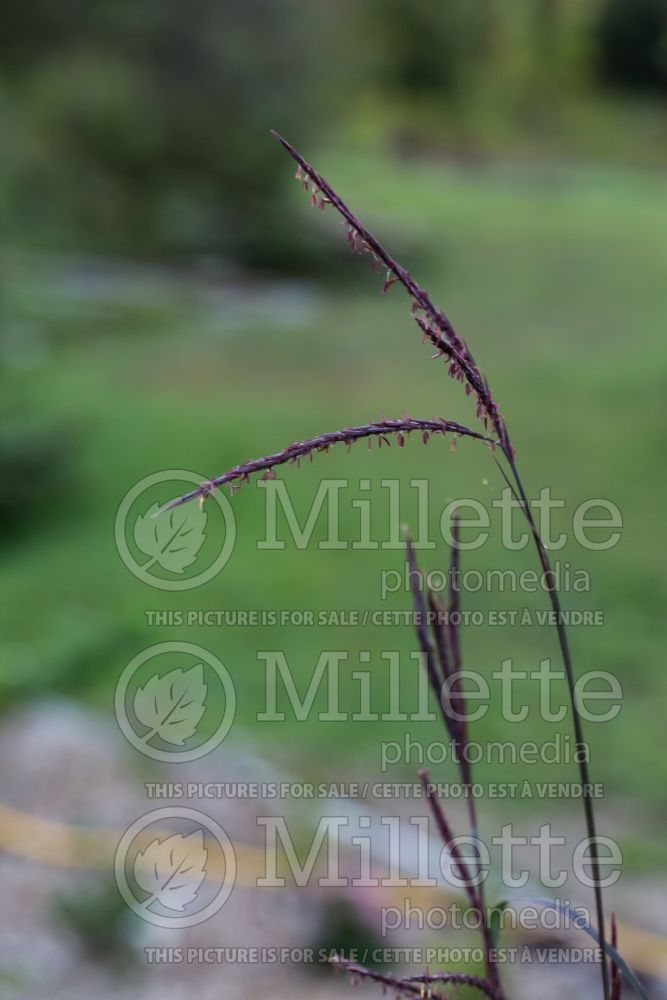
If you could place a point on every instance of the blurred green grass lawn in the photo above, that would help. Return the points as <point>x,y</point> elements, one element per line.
<point>555,275</point>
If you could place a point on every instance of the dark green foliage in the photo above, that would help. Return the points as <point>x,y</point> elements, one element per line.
<point>35,474</point>
<point>632,36</point>
<point>431,53</point>
<point>140,124</point>
<point>99,919</point>
<point>345,930</point>
<point>137,127</point>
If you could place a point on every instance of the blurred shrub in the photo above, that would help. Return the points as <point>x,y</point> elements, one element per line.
<point>482,76</point>
<point>432,50</point>
<point>140,126</point>
<point>98,917</point>
<point>632,37</point>
<point>143,125</point>
<point>35,473</point>
<point>344,928</point>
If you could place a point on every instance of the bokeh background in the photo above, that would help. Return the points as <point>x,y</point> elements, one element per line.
<point>167,300</point>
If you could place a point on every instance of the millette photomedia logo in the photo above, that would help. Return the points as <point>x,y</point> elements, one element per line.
<point>178,548</point>
<point>175,867</point>
<point>175,702</point>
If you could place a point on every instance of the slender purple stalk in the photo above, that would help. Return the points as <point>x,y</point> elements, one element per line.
<point>438,329</point>
<point>381,429</point>
<point>475,893</point>
<point>616,974</point>
<point>437,678</point>
<point>448,838</point>
<point>436,326</point>
<point>448,645</point>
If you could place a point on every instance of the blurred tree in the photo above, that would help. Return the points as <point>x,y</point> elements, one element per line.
<point>143,125</point>
<point>430,51</point>
<point>632,37</point>
<point>475,77</point>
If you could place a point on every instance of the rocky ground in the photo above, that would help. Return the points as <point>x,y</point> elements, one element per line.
<point>65,932</point>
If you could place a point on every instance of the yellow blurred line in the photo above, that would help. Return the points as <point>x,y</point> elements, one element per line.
<point>52,842</point>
